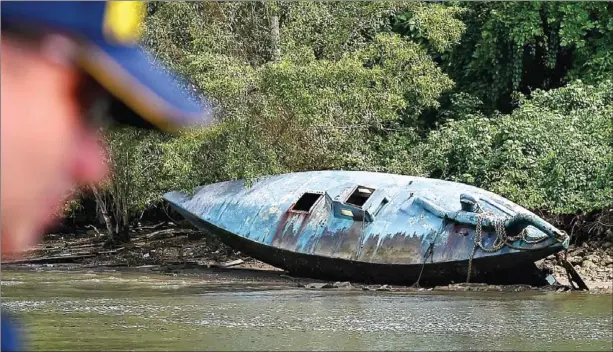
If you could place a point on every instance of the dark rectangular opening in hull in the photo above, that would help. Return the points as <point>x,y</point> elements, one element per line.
<point>359,196</point>
<point>306,202</point>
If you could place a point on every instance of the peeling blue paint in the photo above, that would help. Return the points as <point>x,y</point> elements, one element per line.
<point>418,211</point>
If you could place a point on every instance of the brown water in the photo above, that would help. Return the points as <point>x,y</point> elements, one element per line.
<point>104,311</point>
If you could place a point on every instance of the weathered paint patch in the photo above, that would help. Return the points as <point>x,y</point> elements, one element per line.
<point>399,248</point>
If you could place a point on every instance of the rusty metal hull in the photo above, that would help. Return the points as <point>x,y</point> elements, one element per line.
<point>367,227</point>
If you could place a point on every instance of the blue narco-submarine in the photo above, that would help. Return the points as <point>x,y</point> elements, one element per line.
<point>373,227</point>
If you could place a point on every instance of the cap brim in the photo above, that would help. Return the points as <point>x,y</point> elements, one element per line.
<point>145,86</point>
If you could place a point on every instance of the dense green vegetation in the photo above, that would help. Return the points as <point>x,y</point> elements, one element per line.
<point>511,97</point>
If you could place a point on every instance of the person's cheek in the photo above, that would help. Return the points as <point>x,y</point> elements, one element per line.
<point>50,150</point>
<point>89,166</point>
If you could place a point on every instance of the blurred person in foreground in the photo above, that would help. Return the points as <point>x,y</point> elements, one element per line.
<point>68,69</point>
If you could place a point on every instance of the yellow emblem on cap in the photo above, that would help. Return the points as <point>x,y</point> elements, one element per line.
<point>123,20</point>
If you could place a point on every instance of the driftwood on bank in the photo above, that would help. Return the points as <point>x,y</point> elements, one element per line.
<point>152,227</point>
<point>90,245</point>
<point>161,234</point>
<point>166,233</point>
<point>74,250</point>
<point>228,264</point>
<point>71,258</point>
<point>52,259</point>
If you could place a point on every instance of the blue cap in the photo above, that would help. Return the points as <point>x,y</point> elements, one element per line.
<point>109,32</point>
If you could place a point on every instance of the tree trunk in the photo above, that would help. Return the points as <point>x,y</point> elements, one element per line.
<point>101,204</point>
<point>112,227</point>
<point>123,233</point>
<point>275,38</point>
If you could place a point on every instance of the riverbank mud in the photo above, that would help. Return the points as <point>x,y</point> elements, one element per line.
<point>592,261</point>
<point>173,250</point>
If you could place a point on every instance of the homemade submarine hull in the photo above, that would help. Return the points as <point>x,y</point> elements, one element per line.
<point>373,227</point>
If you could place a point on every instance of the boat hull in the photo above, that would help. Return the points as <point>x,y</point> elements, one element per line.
<point>397,243</point>
<point>512,268</point>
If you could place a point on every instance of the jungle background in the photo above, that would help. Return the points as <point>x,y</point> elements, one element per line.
<point>513,97</point>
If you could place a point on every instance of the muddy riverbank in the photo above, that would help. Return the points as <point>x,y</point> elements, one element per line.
<point>173,250</point>
<point>593,261</point>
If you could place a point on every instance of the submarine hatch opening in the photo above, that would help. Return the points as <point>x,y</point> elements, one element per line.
<point>359,196</point>
<point>306,201</point>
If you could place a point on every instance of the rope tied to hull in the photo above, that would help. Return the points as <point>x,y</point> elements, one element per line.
<point>499,242</point>
<point>502,239</point>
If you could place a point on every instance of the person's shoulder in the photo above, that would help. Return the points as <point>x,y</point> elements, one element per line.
<point>11,334</point>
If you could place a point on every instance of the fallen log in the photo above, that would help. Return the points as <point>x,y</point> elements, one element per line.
<point>113,251</point>
<point>49,260</point>
<point>90,245</point>
<point>68,247</point>
<point>228,264</point>
<point>66,258</point>
<point>161,233</point>
<point>152,227</point>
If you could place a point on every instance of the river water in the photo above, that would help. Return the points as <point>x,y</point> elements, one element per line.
<point>136,311</point>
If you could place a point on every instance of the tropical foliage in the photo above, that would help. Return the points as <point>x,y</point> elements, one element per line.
<point>511,97</point>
